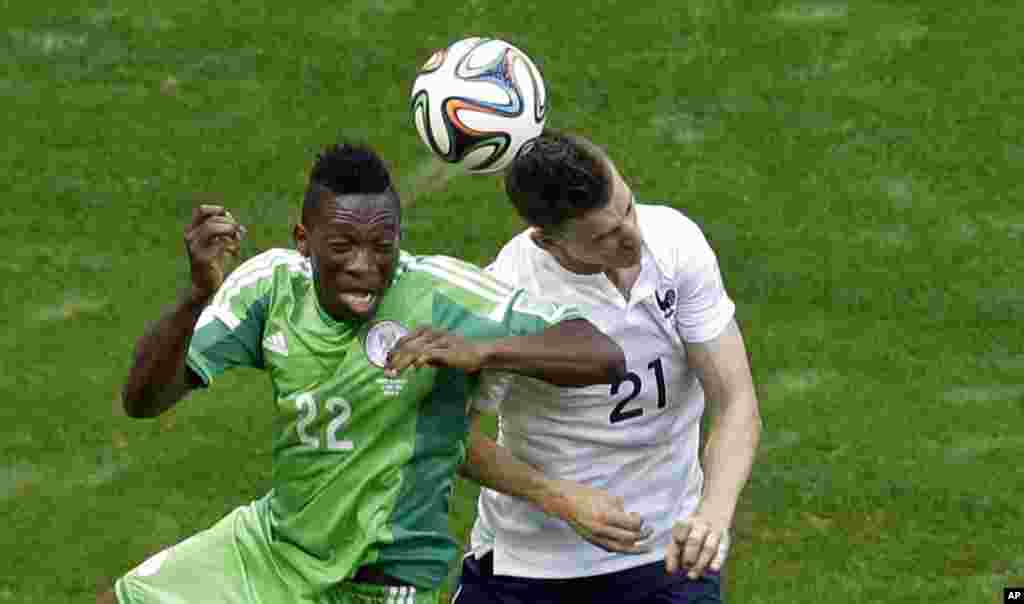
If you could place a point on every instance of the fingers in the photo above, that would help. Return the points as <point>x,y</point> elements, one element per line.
<point>621,547</point>
<point>614,539</point>
<point>672,553</point>
<point>601,519</point>
<point>705,555</point>
<point>695,545</point>
<point>412,350</point>
<point>202,212</point>
<point>626,520</point>
<point>212,233</point>
<point>430,347</point>
<point>723,551</point>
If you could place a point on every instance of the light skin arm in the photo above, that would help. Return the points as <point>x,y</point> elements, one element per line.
<point>570,353</point>
<point>158,377</point>
<point>733,436</point>
<point>595,515</point>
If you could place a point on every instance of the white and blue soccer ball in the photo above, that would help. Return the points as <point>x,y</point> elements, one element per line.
<point>479,103</point>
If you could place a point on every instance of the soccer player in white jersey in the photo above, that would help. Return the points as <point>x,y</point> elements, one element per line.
<point>611,499</point>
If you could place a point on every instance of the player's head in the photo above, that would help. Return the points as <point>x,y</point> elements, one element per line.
<point>350,227</point>
<point>568,189</point>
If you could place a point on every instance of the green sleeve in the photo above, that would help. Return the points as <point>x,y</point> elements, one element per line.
<point>472,302</point>
<point>229,331</point>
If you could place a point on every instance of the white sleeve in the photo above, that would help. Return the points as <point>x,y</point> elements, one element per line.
<point>704,309</point>
<point>494,387</point>
<point>504,266</point>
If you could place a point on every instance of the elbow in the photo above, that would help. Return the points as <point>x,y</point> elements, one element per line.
<point>139,404</point>
<point>755,423</point>
<point>616,369</point>
<point>613,369</point>
<point>133,403</point>
<point>610,369</point>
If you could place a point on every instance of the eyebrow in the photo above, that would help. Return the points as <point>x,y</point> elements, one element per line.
<point>629,210</point>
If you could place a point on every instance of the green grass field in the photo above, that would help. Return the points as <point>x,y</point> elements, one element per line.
<point>855,164</point>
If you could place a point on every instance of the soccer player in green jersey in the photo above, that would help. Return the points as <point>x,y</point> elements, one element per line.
<point>372,354</point>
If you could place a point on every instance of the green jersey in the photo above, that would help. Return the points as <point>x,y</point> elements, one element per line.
<point>363,464</point>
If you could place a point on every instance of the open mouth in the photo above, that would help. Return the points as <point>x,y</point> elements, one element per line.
<point>360,303</point>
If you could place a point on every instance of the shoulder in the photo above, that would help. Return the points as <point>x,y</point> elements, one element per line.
<point>677,242</point>
<point>273,259</point>
<point>260,273</point>
<point>661,223</point>
<point>516,258</point>
<point>448,274</point>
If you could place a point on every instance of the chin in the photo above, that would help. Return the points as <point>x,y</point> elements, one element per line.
<point>360,315</point>
<point>627,262</point>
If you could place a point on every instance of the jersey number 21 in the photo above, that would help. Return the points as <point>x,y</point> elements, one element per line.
<point>620,413</point>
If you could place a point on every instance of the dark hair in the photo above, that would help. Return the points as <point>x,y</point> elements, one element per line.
<point>346,169</point>
<point>562,176</point>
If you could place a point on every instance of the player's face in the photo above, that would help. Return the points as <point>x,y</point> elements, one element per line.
<point>606,238</point>
<point>353,248</point>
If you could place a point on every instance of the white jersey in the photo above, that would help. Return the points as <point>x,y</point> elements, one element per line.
<point>639,439</point>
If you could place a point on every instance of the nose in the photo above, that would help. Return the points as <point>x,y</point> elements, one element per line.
<point>631,238</point>
<point>362,262</point>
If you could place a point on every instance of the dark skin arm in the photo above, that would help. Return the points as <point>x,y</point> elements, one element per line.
<point>159,378</point>
<point>570,353</point>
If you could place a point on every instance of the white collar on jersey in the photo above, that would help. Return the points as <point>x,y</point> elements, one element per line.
<point>557,281</point>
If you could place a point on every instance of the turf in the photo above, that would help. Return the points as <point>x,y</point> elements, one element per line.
<point>852,162</point>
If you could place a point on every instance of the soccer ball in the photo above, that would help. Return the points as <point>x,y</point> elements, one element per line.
<point>478,103</point>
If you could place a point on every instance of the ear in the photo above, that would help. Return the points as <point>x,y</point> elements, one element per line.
<point>300,236</point>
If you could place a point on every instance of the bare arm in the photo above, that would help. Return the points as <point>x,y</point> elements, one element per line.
<point>595,515</point>
<point>735,431</point>
<point>570,353</point>
<point>159,378</point>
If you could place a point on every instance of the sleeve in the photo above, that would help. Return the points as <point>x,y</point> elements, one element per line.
<point>229,330</point>
<point>494,388</point>
<point>704,308</point>
<point>495,385</point>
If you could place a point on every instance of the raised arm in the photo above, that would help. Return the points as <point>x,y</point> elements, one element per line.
<point>569,353</point>
<point>158,377</point>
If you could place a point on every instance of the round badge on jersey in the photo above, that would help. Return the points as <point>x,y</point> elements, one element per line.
<point>381,339</point>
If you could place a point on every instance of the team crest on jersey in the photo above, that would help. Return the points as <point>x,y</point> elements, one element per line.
<point>381,339</point>
<point>666,302</point>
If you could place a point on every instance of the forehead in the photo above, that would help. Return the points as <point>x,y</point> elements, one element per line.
<point>373,209</point>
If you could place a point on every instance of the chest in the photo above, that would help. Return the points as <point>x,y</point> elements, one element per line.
<point>306,356</point>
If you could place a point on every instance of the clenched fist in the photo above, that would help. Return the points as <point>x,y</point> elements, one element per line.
<point>211,239</point>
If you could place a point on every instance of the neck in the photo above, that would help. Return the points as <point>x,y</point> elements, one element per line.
<point>623,278</point>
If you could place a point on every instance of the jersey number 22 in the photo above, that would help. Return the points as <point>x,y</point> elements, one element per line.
<point>331,440</point>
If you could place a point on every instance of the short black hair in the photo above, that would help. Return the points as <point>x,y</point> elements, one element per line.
<point>562,176</point>
<point>346,169</point>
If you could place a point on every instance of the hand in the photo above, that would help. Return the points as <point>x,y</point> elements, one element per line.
<point>600,518</point>
<point>698,543</point>
<point>430,347</point>
<point>211,237</point>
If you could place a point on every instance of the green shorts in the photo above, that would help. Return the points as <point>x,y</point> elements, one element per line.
<point>232,563</point>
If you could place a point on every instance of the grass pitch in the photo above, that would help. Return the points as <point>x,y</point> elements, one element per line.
<point>853,163</point>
